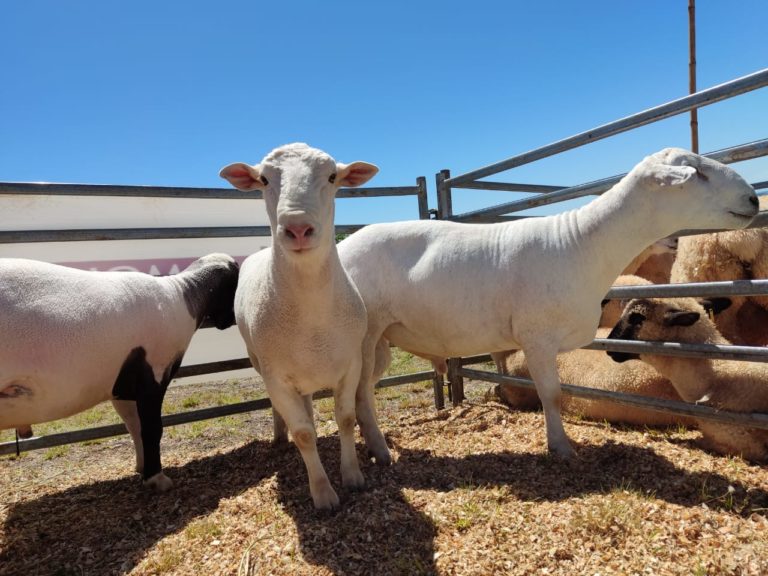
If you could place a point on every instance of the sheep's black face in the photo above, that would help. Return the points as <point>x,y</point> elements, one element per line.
<point>221,303</point>
<point>626,329</point>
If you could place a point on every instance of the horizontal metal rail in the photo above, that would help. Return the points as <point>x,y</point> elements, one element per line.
<point>213,367</point>
<point>738,153</point>
<point>55,189</point>
<point>691,289</point>
<point>685,350</point>
<point>512,187</point>
<point>698,100</point>
<point>31,236</point>
<point>679,349</point>
<point>750,419</point>
<point>100,432</point>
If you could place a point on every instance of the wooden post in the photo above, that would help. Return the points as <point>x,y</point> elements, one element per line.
<point>421,184</point>
<point>692,73</point>
<point>444,204</point>
<point>438,383</point>
<point>456,380</point>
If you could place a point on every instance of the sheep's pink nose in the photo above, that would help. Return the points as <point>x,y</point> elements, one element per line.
<point>299,231</point>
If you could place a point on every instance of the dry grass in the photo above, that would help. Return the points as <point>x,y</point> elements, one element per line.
<point>472,491</point>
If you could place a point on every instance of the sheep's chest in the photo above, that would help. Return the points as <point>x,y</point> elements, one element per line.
<point>316,362</point>
<point>309,358</point>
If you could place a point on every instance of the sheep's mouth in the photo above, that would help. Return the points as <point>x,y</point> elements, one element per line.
<point>740,215</point>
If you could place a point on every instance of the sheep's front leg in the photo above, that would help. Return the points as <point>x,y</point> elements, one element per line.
<point>344,407</point>
<point>376,358</point>
<point>542,365</point>
<point>290,405</point>
<point>149,408</point>
<point>136,381</point>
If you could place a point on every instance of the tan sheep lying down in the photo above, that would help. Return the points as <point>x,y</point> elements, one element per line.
<point>594,369</point>
<point>732,255</point>
<point>723,384</point>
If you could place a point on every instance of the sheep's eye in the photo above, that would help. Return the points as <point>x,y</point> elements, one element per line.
<point>264,180</point>
<point>636,318</point>
<point>332,178</point>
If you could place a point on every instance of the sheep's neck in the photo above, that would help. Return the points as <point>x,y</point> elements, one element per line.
<point>309,281</point>
<point>186,283</point>
<point>611,230</point>
<point>694,378</point>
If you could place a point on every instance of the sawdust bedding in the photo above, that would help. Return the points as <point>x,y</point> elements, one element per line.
<point>472,491</point>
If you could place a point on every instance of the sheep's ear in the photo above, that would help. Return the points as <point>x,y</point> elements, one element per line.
<point>354,174</point>
<point>715,305</point>
<point>243,177</point>
<point>667,175</point>
<point>680,318</point>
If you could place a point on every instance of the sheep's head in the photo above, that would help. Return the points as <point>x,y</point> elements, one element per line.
<point>612,308</point>
<point>299,184</point>
<point>667,320</point>
<point>699,193</point>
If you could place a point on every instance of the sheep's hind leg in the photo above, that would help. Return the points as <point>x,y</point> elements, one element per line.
<point>375,362</point>
<point>344,407</point>
<point>279,429</point>
<point>542,365</point>
<point>128,412</point>
<point>291,407</point>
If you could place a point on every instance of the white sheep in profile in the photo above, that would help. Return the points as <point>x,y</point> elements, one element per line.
<point>722,384</point>
<point>443,289</point>
<point>74,338</point>
<point>300,315</point>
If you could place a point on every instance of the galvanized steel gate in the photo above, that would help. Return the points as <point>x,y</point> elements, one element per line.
<point>445,185</point>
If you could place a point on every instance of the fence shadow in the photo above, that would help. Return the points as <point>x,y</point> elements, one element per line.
<point>596,470</point>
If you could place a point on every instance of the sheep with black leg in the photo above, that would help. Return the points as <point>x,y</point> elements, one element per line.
<point>301,317</point>
<point>74,338</point>
<point>443,289</point>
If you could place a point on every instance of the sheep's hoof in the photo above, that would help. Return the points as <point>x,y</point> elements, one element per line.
<point>353,480</point>
<point>159,482</point>
<point>325,498</point>
<point>564,451</point>
<point>382,457</point>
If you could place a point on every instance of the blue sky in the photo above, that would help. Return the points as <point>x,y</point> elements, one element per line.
<point>166,93</point>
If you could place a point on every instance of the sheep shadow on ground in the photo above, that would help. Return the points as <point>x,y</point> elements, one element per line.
<point>111,523</point>
<point>106,527</point>
<point>376,530</point>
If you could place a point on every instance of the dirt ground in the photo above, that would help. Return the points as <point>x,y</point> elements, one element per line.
<point>472,491</point>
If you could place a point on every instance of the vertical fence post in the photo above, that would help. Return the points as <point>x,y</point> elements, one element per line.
<point>692,73</point>
<point>444,203</point>
<point>438,385</point>
<point>444,209</point>
<point>421,183</point>
<point>456,380</point>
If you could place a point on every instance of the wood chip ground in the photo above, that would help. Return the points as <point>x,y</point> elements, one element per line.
<point>472,492</point>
